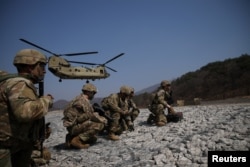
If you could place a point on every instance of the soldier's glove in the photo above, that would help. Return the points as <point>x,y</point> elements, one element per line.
<point>82,118</point>
<point>51,100</point>
<point>171,110</point>
<point>47,131</point>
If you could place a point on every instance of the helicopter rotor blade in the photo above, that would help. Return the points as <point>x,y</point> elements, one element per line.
<point>69,54</point>
<point>113,58</point>
<point>37,46</point>
<point>75,54</point>
<point>111,69</point>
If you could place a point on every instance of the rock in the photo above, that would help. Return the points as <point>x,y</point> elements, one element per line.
<point>160,159</point>
<point>186,143</point>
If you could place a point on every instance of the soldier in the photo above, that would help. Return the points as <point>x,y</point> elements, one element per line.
<point>133,111</point>
<point>37,159</point>
<point>132,106</point>
<point>117,106</point>
<point>22,111</point>
<point>160,103</point>
<point>81,121</point>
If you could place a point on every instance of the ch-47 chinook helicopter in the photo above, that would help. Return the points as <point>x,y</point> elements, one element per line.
<point>62,68</point>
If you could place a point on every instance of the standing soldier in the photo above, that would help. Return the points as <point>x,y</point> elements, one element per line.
<point>22,111</point>
<point>81,121</point>
<point>117,106</point>
<point>41,156</point>
<point>160,103</point>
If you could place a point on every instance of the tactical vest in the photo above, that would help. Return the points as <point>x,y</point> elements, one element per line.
<point>104,103</point>
<point>5,115</point>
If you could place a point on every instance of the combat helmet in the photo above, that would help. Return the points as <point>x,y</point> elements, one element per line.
<point>89,87</point>
<point>125,90</point>
<point>132,90</point>
<point>29,56</point>
<point>165,83</point>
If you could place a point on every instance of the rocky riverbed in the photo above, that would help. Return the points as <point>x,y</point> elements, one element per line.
<point>220,127</point>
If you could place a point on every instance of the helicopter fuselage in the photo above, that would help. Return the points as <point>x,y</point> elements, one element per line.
<point>62,68</point>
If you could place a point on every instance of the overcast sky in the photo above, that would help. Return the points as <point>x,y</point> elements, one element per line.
<point>161,39</point>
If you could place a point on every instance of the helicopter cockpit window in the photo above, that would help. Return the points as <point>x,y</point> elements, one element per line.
<point>101,71</point>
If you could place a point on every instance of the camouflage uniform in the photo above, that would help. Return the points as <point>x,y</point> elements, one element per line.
<point>159,104</point>
<point>82,122</point>
<point>21,114</point>
<point>133,111</point>
<point>38,159</point>
<point>41,156</point>
<point>116,105</point>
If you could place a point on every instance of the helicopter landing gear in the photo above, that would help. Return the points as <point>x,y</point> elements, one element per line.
<point>87,81</point>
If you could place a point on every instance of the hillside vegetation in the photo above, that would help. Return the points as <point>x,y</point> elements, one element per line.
<point>215,81</point>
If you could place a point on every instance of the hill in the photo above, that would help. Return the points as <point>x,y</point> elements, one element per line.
<point>215,81</point>
<point>148,89</point>
<point>59,104</point>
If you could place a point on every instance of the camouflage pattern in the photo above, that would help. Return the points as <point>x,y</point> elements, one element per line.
<point>133,109</point>
<point>159,104</point>
<point>164,83</point>
<point>20,95</point>
<point>21,112</point>
<point>133,112</point>
<point>89,87</point>
<point>37,159</point>
<point>116,107</point>
<point>81,120</point>
<point>29,56</point>
<point>125,89</point>
<point>41,156</point>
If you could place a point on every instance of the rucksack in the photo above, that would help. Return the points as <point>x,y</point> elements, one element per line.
<point>178,116</point>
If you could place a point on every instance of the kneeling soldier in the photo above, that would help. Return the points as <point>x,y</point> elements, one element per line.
<point>81,121</point>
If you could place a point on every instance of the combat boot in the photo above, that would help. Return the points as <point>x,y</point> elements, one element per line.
<point>130,126</point>
<point>92,139</point>
<point>67,140</point>
<point>160,123</point>
<point>112,136</point>
<point>151,119</point>
<point>46,154</point>
<point>77,143</point>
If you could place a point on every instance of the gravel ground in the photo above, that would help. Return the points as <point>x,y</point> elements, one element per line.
<point>218,127</point>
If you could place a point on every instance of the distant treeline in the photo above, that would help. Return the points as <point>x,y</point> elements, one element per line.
<point>215,81</point>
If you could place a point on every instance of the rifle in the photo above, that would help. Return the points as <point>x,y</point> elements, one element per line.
<point>101,112</point>
<point>43,128</point>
